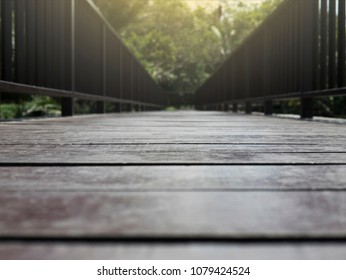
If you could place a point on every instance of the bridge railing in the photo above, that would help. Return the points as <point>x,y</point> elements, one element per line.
<point>67,49</point>
<point>298,52</point>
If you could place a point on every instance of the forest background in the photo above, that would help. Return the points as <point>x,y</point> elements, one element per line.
<point>182,42</point>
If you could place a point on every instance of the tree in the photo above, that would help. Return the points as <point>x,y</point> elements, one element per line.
<point>175,44</point>
<point>120,13</point>
<point>235,23</point>
<point>179,46</point>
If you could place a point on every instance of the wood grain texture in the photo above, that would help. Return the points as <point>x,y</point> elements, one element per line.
<point>164,154</point>
<point>173,128</point>
<point>173,178</point>
<point>216,214</point>
<point>285,251</point>
<point>183,175</point>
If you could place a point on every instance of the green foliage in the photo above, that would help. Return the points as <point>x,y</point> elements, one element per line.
<point>236,23</point>
<point>8,111</point>
<point>36,106</point>
<point>181,47</point>
<point>41,106</point>
<point>166,42</point>
<point>82,107</point>
<point>121,12</point>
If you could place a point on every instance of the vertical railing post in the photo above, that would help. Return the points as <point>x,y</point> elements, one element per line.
<point>132,88</point>
<point>324,43</point>
<point>117,107</point>
<point>30,23</point>
<point>100,105</point>
<point>6,40</point>
<point>307,108</point>
<point>248,107</point>
<point>235,107</point>
<point>121,82</point>
<point>20,41</point>
<point>341,44</point>
<point>308,20</point>
<point>332,44</point>
<point>61,38</point>
<point>248,104</point>
<point>232,82</point>
<point>266,76</point>
<point>56,38</point>
<point>48,43</point>
<point>66,107</point>
<point>268,107</point>
<point>41,47</point>
<point>67,103</point>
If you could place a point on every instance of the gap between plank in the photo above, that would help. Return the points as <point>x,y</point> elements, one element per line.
<point>196,190</point>
<point>101,164</point>
<point>175,240</point>
<point>162,144</point>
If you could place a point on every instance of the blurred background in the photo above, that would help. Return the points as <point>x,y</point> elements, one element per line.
<point>180,43</point>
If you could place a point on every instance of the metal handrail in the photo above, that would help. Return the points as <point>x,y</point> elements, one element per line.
<point>68,49</point>
<point>297,52</point>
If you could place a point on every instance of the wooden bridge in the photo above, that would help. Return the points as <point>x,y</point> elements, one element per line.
<point>150,184</point>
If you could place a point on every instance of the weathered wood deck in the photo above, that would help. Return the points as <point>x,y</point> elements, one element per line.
<point>172,185</point>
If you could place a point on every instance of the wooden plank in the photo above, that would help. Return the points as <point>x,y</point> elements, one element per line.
<point>173,178</point>
<point>209,251</point>
<point>174,215</point>
<point>182,154</point>
<point>126,125</point>
<point>130,128</point>
<point>188,117</point>
<point>86,138</point>
<point>164,128</point>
